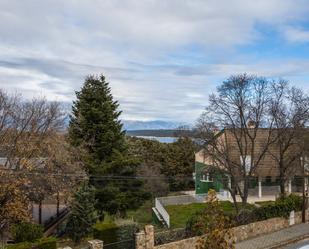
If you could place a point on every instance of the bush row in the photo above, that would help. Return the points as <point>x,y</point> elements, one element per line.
<point>43,243</point>
<point>114,233</point>
<point>280,208</point>
<point>27,232</point>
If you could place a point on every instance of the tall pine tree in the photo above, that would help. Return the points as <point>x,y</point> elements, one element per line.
<point>96,128</point>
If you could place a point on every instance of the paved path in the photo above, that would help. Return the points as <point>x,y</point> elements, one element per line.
<point>278,238</point>
<point>302,244</point>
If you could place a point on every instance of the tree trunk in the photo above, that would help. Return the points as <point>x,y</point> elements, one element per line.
<point>282,179</point>
<point>244,196</point>
<point>233,194</point>
<point>40,212</point>
<point>58,204</point>
<point>282,188</point>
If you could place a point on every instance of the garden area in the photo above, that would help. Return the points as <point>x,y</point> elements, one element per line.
<point>198,218</point>
<point>116,231</point>
<point>180,214</point>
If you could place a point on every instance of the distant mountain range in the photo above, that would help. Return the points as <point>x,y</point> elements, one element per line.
<point>153,133</point>
<point>131,125</point>
<point>157,128</point>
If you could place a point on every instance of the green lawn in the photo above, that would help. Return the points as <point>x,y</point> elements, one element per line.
<point>143,215</point>
<point>179,214</point>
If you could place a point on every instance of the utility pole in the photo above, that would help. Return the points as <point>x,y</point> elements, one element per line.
<point>304,190</point>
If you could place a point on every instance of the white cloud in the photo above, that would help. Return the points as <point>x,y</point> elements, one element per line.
<point>49,46</point>
<point>293,34</point>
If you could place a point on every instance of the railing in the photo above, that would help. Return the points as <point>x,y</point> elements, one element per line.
<point>160,207</point>
<point>127,244</point>
<point>52,225</point>
<point>169,236</point>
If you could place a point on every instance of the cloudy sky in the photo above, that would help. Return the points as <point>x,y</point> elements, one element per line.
<point>161,57</point>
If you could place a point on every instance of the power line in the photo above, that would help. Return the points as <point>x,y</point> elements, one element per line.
<point>123,177</point>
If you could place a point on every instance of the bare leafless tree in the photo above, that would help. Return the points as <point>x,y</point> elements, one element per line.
<point>240,109</point>
<point>289,108</point>
<point>33,151</point>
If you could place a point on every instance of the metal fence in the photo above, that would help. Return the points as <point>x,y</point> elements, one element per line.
<point>168,236</point>
<point>127,244</point>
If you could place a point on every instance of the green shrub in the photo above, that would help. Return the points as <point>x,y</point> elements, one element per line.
<point>27,232</point>
<point>105,231</point>
<point>245,216</point>
<point>294,202</point>
<point>280,208</point>
<point>22,245</point>
<point>191,223</point>
<point>127,231</point>
<point>46,243</point>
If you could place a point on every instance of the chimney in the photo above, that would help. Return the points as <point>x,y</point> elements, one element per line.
<point>251,124</point>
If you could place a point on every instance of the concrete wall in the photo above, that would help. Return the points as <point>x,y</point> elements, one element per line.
<point>48,210</point>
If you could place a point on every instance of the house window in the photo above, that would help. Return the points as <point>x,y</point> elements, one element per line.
<point>206,178</point>
<point>247,163</point>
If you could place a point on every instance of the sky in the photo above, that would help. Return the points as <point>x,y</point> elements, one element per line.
<point>162,57</point>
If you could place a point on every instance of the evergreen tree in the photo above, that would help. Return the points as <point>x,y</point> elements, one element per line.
<point>82,216</point>
<point>179,164</point>
<point>95,127</point>
<point>94,122</point>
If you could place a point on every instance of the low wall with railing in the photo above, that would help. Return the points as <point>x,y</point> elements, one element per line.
<point>161,202</point>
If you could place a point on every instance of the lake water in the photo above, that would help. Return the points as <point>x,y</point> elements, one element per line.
<point>160,139</point>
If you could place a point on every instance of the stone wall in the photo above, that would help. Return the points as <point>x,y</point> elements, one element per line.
<point>267,226</point>
<point>257,228</point>
<point>145,239</point>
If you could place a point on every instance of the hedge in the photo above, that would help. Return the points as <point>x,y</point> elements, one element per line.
<point>105,231</point>
<point>46,243</point>
<point>112,233</point>
<point>22,245</point>
<point>280,208</point>
<point>27,232</point>
<point>43,243</point>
